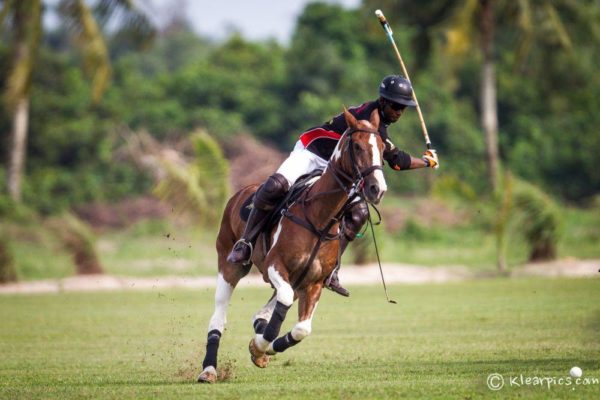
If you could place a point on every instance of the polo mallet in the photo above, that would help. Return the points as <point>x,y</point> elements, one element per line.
<point>377,253</point>
<point>389,34</point>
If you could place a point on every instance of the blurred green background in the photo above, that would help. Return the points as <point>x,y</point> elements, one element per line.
<point>138,133</point>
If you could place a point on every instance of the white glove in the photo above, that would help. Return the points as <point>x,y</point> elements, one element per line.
<point>431,159</point>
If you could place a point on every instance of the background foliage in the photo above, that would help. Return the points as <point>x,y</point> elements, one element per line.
<point>548,100</point>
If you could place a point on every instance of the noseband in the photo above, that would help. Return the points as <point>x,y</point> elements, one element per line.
<point>357,178</point>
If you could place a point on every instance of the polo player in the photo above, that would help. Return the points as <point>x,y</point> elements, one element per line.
<point>313,150</point>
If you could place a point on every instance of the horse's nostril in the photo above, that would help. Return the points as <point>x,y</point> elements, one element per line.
<point>374,188</point>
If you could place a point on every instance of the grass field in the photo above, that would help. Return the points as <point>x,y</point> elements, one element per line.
<point>439,341</point>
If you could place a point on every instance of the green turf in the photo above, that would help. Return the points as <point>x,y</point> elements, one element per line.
<point>439,341</point>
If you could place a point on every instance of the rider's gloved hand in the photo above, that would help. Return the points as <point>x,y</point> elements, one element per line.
<point>431,159</point>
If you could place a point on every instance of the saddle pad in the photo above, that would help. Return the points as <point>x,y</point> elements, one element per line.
<point>301,184</point>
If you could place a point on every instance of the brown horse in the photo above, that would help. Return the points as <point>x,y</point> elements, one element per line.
<point>303,246</point>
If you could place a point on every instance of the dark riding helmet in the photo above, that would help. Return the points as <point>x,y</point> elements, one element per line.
<point>398,89</point>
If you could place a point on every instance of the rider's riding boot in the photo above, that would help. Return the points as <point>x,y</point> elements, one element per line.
<point>354,219</point>
<point>242,250</point>
<point>268,195</point>
<point>333,282</point>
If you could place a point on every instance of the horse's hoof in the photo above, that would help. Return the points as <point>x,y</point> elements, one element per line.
<point>259,358</point>
<point>209,375</point>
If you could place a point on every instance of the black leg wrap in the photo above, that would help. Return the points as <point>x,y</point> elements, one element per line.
<point>274,325</point>
<point>212,347</point>
<point>285,342</point>
<point>355,219</point>
<point>259,325</point>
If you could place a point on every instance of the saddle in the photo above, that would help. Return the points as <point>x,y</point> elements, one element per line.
<point>298,188</point>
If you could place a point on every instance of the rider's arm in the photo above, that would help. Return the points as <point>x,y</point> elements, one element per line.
<point>398,159</point>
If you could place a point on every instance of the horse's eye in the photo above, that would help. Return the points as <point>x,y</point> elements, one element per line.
<point>357,147</point>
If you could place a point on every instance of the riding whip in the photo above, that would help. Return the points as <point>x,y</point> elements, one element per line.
<point>389,34</point>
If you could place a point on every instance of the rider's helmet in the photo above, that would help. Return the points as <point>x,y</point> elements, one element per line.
<point>397,89</point>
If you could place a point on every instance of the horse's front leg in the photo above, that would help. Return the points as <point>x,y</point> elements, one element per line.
<point>284,300</point>
<point>228,277</point>
<point>308,299</point>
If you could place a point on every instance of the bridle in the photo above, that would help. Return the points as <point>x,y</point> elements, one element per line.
<point>353,183</point>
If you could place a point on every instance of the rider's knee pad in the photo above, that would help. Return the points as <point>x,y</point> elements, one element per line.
<point>354,219</point>
<point>271,192</point>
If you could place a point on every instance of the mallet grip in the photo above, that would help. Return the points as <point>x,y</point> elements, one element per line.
<point>381,17</point>
<point>384,23</point>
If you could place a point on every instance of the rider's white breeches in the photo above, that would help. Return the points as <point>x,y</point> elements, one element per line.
<point>300,162</point>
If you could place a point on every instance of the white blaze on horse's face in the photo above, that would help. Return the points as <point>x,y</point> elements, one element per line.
<point>377,161</point>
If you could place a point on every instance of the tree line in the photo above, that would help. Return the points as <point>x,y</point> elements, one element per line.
<point>538,59</point>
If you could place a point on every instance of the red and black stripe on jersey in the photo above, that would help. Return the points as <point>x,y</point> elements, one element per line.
<point>322,140</point>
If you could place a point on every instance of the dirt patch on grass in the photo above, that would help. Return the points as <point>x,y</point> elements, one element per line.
<point>226,371</point>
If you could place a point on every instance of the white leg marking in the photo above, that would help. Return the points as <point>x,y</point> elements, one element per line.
<point>285,293</point>
<point>303,328</point>
<point>211,370</point>
<point>222,297</point>
<point>261,343</point>
<point>266,311</point>
<point>377,161</point>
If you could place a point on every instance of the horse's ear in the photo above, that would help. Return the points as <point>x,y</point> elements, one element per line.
<point>350,120</point>
<point>374,118</point>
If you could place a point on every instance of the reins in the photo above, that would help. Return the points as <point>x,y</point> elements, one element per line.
<point>352,188</point>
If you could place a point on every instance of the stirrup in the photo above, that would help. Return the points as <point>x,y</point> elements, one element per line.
<point>330,277</point>
<point>249,244</point>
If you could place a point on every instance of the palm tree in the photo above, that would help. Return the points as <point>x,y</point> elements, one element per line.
<point>475,21</point>
<point>471,25</point>
<point>23,19</point>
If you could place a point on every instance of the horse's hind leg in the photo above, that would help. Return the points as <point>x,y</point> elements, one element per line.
<point>284,300</point>
<point>307,304</point>
<point>229,276</point>
<point>262,317</point>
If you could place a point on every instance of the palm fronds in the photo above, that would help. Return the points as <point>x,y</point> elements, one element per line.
<point>540,220</point>
<point>77,238</point>
<point>197,187</point>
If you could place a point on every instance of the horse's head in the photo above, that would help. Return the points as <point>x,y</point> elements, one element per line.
<point>358,156</point>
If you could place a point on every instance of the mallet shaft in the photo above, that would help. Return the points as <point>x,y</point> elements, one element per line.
<point>389,34</point>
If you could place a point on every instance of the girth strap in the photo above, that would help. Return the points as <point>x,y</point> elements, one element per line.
<point>322,236</point>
